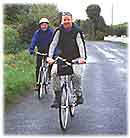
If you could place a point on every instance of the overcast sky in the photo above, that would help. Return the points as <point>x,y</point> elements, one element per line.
<point>78,7</point>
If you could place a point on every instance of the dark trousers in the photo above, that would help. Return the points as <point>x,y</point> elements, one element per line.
<point>38,64</point>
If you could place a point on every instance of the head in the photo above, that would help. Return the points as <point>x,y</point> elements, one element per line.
<point>67,20</point>
<point>44,23</point>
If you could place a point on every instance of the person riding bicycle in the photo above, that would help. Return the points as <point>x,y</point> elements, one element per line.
<point>68,41</point>
<point>41,38</point>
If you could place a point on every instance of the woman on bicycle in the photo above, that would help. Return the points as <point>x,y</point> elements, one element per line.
<point>68,39</point>
<point>41,38</point>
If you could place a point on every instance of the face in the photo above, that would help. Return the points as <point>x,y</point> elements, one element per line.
<point>43,26</point>
<point>67,21</point>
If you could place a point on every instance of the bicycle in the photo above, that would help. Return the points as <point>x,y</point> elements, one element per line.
<point>43,76</point>
<point>68,97</point>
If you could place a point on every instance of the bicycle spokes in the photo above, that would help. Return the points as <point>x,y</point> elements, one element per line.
<point>43,82</point>
<point>64,109</point>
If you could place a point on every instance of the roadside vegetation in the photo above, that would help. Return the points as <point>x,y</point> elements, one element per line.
<point>19,76</point>
<point>20,22</point>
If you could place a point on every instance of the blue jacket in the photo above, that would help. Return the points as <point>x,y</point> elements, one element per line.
<point>42,40</point>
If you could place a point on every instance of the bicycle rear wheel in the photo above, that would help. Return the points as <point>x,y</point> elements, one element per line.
<point>64,109</point>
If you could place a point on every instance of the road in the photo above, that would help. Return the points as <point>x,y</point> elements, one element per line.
<point>104,111</point>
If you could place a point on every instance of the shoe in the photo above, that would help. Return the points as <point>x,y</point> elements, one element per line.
<point>55,104</point>
<point>80,100</point>
<point>56,101</point>
<point>36,87</point>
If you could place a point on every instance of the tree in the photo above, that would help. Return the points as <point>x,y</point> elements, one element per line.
<point>96,24</point>
<point>25,18</point>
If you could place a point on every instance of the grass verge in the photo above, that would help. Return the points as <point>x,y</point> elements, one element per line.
<point>19,77</point>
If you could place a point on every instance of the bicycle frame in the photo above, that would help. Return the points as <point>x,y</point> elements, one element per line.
<point>44,69</point>
<point>67,98</point>
<point>42,77</point>
<point>66,81</point>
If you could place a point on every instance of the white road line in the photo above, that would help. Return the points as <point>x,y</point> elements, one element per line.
<point>108,55</point>
<point>123,70</point>
<point>115,51</point>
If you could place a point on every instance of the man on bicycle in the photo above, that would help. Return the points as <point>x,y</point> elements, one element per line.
<point>41,38</point>
<point>68,41</point>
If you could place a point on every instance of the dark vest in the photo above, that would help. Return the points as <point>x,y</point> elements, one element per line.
<point>67,43</point>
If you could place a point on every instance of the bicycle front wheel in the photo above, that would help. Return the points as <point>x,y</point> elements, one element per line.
<point>42,89</point>
<point>64,109</point>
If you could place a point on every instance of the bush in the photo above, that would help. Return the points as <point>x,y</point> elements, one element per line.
<point>100,35</point>
<point>11,39</point>
<point>26,31</point>
<point>19,76</point>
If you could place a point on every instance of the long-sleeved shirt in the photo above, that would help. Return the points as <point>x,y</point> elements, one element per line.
<point>41,39</point>
<point>64,41</point>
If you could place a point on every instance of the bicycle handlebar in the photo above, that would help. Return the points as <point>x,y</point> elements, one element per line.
<point>41,54</point>
<point>75,61</point>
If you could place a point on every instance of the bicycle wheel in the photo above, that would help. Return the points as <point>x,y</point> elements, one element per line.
<point>42,86</point>
<point>64,109</point>
<point>46,81</point>
<point>72,100</point>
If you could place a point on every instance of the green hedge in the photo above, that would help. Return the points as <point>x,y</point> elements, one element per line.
<point>19,75</point>
<point>11,39</point>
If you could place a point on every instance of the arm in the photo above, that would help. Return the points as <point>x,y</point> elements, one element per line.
<point>81,45</point>
<point>33,43</point>
<point>53,46</point>
<point>54,43</point>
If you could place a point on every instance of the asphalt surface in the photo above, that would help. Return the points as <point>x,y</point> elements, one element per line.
<point>104,111</point>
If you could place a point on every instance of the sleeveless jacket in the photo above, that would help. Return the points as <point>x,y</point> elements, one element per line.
<point>67,44</point>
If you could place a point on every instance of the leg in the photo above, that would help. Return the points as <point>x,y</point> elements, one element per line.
<point>49,71</point>
<point>56,86</point>
<point>76,78</point>
<point>38,64</point>
<point>77,84</point>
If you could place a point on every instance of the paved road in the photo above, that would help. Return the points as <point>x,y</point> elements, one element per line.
<point>104,111</point>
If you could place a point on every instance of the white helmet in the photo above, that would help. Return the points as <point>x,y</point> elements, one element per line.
<point>43,20</point>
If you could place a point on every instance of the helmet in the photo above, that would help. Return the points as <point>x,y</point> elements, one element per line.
<point>43,20</point>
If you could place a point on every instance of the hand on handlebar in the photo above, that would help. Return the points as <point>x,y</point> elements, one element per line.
<point>50,60</point>
<point>82,61</point>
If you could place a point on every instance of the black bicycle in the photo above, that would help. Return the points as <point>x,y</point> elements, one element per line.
<point>68,97</point>
<point>43,77</point>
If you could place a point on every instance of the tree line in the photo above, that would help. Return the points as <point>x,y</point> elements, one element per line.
<point>95,27</point>
<point>20,22</point>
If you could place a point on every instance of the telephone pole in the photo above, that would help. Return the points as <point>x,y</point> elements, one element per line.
<point>112,15</point>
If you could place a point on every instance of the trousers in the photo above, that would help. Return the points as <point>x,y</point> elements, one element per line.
<point>38,65</point>
<point>76,79</point>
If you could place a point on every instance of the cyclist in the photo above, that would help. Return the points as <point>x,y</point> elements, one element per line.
<point>68,39</point>
<point>41,38</point>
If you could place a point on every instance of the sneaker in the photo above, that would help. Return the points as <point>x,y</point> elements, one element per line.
<point>55,104</point>
<point>56,101</point>
<point>36,87</point>
<point>80,100</point>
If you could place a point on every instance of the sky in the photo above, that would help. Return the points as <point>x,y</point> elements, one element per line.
<point>78,7</point>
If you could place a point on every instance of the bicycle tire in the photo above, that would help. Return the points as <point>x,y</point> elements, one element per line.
<point>46,82</point>
<point>40,93</point>
<point>42,89</point>
<point>73,104</point>
<point>64,109</point>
